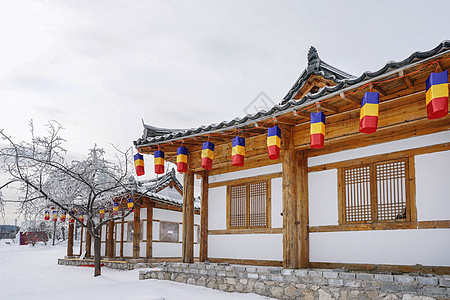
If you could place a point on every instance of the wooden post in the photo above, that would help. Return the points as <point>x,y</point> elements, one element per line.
<point>81,240</point>
<point>290,235</point>
<point>88,240</point>
<point>188,217</point>
<point>136,231</point>
<point>303,211</point>
<point>121,235</point>
<point>204,218</point>
<point>149,237</point>
<point>110,245</point>
<point>70,240</point>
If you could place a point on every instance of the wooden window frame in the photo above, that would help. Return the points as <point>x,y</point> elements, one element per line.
<point>409,187</point>
<point>161,232</point>
<point>268,204</point>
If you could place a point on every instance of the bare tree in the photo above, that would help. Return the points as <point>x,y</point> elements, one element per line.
<point>83,186</point>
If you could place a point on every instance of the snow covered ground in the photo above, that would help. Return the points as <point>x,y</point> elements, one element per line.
<point>28,272</point>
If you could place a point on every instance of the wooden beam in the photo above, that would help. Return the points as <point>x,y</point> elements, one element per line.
<point>136,231</point>
<point>290,235</point>
<point>302,210</point>
<point>122,225</point>
<point>204,218</point>
<point>439,67</point>
<point>377,88</point>
<point>110,245</point>
<point>286,121</point>
<point>328,107</point>
<point>81,239</point>
<point>149,237</point>
<point>70,240</point>
<point>406,80</point>
<point>188,217</point>
<point>351,98</point>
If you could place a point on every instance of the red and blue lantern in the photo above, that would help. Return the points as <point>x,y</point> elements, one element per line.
<point>182,159</point>
<point>63,216</point>
<point>46,215</point>
<point>81,217</point>
<point>207,155</point>
<point>317,130</point>
<point>130,203</point>
<point>55,216</point>
<point>102,212</point>
<point>159,161</point>
<point>115,208</point>
<point>71,220</point>
<point>437,95</point>
<point>368,119</point>
<point>274,142</point>
<point>238,151</point>
<point>139,164</point>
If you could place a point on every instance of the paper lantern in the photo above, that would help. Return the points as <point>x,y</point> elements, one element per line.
<point>182,154</point>
<point>71,220</point>
<point>55,216</point>
<point>130,203</point>
<point>46,215</point>
<point>437,95</point>
<point>159,162</point>
<point>115,208</point>
<point>274,142</point>
<point>207,155</point>
<point>63,216</point>
<point>81,217</point>
<point>238,151</point>
<point>368,118</point>
<point>102,212</point>
<point>139,164</point>
<point>317,130</point>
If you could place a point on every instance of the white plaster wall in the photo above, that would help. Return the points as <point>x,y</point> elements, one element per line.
<point>142,249</point>
<point>428,247</point>
<point>117,249</point>
<point>277,202</point>
<point>323,198</point>
<point>103,236</point>
<point>130,217</point>
<point>246,246</point>
<point>128,249</point>
<point>246,173</point>
<point>405,144</point>
<point>118,231</point>
<point>167,215</point>
<point>217,208</point>
<point>433,186</point>
<point>155,234</point>
<point>103,249</point>
<point>143,213</point>
<point>167,249</point>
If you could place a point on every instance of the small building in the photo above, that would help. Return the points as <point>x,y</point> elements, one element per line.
<point>360,201</point>
<point>160,239</point>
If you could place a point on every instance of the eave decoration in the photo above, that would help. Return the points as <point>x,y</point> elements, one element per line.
<point>437,95</point>
<point>274,142</point>
<point>238,151</point>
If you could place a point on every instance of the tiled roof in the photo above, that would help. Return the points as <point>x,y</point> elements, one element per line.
<point>316,66</point>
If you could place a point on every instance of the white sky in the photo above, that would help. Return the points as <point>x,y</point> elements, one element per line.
<point>100,67</point>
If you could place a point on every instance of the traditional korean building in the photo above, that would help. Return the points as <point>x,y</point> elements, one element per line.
<point>345,172</point>
<point>161,201</point>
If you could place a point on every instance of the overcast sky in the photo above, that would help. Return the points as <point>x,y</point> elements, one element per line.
<point>100,67</point>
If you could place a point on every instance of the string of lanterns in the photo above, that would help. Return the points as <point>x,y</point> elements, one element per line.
<point>437,107</point>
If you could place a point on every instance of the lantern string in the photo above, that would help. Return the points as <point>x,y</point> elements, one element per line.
<point>309,107</point>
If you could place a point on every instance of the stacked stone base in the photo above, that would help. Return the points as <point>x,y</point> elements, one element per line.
<point>304,284</point>
<point>120,265</point>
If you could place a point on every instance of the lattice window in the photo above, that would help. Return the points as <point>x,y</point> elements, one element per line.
<point>376,192</point>
<point>248,205</point>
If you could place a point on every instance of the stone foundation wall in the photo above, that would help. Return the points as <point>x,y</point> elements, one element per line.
<point>120,265</point>
<point>309,284</point>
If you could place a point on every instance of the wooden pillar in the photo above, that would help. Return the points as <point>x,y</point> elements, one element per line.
<point>81,240</point>
<point>149,237</point>
<point>110,245</point>
<point>204,218</point>
<point>188,217</point>
<point>290,234</point>
<point>121,235</point>
<point>70,240</point>
<point>136,231</point>
<point>303,211</point>
<point>88,240</point>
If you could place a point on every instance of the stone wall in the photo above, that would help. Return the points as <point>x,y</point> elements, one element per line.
<point>120,265</point>
<point>309,284</point>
